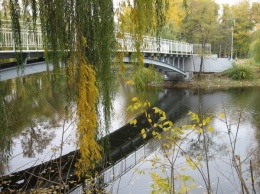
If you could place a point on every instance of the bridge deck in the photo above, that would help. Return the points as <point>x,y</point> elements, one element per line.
<point>33,41</point>
<point>32,46</point>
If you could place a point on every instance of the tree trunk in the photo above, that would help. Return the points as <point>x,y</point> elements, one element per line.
<point>201,64</point>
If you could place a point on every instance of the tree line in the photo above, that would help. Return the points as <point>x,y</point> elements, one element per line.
<point>205,21</point>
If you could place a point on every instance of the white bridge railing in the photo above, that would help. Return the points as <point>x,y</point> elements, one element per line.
<point>153,45</point>
<point>32,40</point>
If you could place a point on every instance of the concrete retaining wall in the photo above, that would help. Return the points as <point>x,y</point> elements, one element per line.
<point>211,64</point>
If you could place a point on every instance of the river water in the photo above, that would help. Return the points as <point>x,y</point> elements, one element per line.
<point>34,122</point>
<point>241,106</point>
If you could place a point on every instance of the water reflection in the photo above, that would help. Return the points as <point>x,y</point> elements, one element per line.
<point>216,148</point>
<point>34,111</point>
<point>37,110</point>
<point>31,107</point>
<point>35,140</point>
<point>223,175</point>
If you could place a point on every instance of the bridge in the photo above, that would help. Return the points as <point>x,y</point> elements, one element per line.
<point>166,55</point>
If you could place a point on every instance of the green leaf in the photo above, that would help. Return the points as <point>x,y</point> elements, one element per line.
<point>221,115</point>
<point>170,124</point>
<point>195,117</point>
<point>156,110</point>
<point>130,82</point>
<point>206,121</point>
<point>163,170</point>
<point>166,123</point>
<point>134,99</point>
<point>185,177</point>
<point>133,122</point>
<point>166,128</point>
<point>210,128</point>
<point>162,118</point>
<point>200,130</point>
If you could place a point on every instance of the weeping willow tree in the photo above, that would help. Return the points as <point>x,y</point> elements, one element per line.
<point>139,18</point>
<point>142,17</point>
<point>80,33</point>
<point>254,50</point>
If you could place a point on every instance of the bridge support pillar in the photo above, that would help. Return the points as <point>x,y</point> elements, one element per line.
<point>175,58</point>
<point>171,60</point>
<point>187,76</point>
<point>25,59</point>
<point>183,58</point>
<point>162,58</point>
<point>166,59</point>
<point>188,64</point>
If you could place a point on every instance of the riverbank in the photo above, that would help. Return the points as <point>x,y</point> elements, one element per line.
<point>222,80</point>
<point>212,81</point>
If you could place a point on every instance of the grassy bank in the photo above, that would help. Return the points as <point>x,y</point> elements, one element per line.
<point>245,73</point>
<point>212,82</point>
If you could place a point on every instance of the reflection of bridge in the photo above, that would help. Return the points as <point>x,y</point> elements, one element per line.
<point>127,155</point>
<point>165,55</point>
<point>122,166</point>
<point>120,153</point>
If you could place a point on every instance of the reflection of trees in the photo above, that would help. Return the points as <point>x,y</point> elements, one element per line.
<point>256,153</point>
<point>195,146</point>
<point>128,92</point>
<point>5,151</point>
<point>5,140</point>
<point>256,156</point>
<point>248,99</point>
<point>35,139</point>
<point>35,103</point>
<point>255,161</point>
<point>256,169</point>
<point>36,96</point>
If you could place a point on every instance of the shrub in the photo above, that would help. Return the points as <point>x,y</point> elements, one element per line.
<point>241,72</point>
<point>144,76</point>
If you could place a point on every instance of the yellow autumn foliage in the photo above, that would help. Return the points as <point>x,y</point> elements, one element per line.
<point>87,119</point>
<point>176,12</point>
